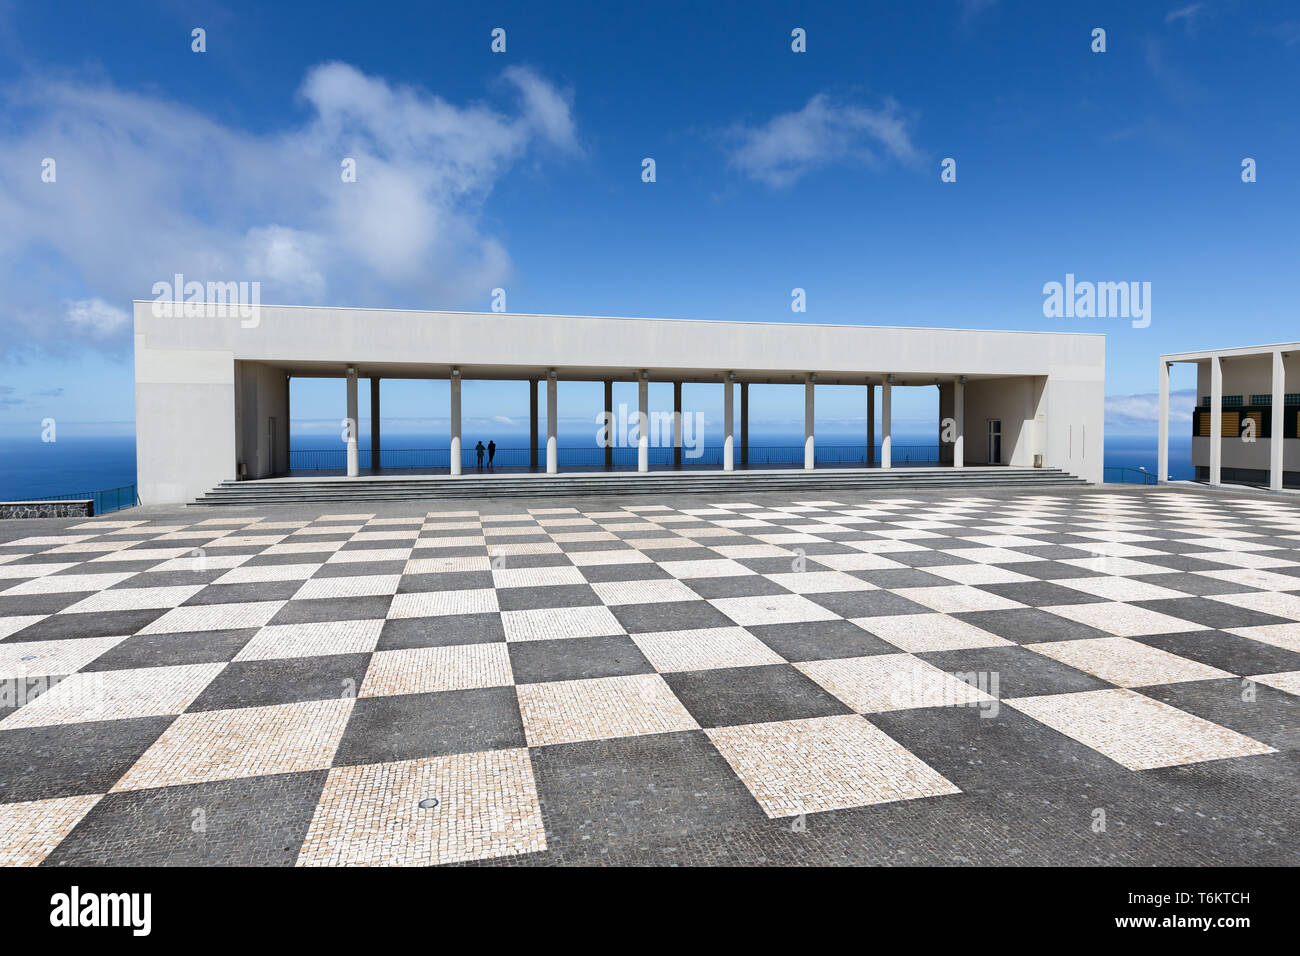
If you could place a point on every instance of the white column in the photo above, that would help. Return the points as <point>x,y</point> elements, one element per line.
<point>1162,427</point>
<point>886,425</point>
<point>643,424</point>
<point>1216,420</point>
<point>959,416</point>
<point>677,424</point>
<point>374,423</point>
<point>1277,439</point>
<point>871,424</point>
<point>354,467</point>
<point>552,426</point>
<point>455,421</point>
<point>728,426</point>
<point>809,451</point>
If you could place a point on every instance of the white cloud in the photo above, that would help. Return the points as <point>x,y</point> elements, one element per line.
<point>1190,15</point>
<point>1141,411</point>
<point>96,318</point>
<point>147,188</point>
<point>790,145</point>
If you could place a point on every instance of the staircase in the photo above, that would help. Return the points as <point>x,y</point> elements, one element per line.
<point>416,487</point>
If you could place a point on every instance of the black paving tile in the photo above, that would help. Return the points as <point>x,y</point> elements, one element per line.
<point>611,797</point>
<point>285,681</point>
<point>751,695</point>
<point>1236,655</point>
<point>63,760</point>
<point>576,659</point>
<point>167,650</point>
<point>1029,625</point>
<point>820,640</point>
<point>410,726</point>
<point>254,821</point>
<point>988,749</point>
<point>441,631</point>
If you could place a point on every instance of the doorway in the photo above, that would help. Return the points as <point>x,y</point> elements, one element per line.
<point>995,441</point>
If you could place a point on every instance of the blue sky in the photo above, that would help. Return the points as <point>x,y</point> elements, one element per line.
<point>522,170</point>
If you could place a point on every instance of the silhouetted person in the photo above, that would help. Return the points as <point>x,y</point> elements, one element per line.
<point>492,452</point>
<point>479,448</point>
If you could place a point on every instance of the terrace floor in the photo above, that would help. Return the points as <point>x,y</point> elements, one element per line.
<point>1101,676</point>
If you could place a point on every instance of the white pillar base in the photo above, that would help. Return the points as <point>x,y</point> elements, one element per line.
<point>643,426</point>
<point>354,465</point>
<point>809,445</point>
<point>455,424</point>
<point>959,417</point>
<point>728,427</point>
<point>886,426</point>
<point>552,427</point>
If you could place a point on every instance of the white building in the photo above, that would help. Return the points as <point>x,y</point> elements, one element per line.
<point>212,389</point>
<point>1242,409</point>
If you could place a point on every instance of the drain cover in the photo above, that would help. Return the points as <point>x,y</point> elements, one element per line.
<point>428,803</point>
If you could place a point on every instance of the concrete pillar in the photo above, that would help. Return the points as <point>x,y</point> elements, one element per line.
<point>642,423</point>
<point>374,423</point>
<point>744,424</point>
<point>532,423</point>
<point>677,424</point>
<point>1162,426</point>
<point>809,452</point>
<point>959,417</point>
<point>288,426</point>
<point>552,426</point>
<point>455,421</point>
<point>1216,420</point>
<point>728,426</point>
<point>1277,434</point>
<point>609,423</point>
<point>354,467</point>
<point>871,424</point>
<point>886,426</point>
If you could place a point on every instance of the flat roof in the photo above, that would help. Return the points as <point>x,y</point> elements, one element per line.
<point>650,318</point>
<point>1236,350</point>
<point>323,340</point>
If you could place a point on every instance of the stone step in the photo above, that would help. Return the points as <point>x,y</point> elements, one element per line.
<point>397,488</point>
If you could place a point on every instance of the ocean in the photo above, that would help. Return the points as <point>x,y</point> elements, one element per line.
<point>31,468</point>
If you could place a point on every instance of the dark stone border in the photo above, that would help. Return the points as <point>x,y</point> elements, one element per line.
<point>47,509</point>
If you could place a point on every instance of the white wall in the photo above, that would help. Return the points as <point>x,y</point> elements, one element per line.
<point>1075,426</point>
<point>184,422</point>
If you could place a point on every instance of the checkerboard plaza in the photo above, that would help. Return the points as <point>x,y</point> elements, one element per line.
<point>923,679</point>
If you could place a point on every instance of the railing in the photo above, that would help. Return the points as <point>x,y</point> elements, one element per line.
<point>335,459</point>
<point>112,499</point>
<point>1122,475</point>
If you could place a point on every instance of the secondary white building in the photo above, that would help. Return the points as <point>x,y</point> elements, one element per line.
<point>1244,426</point>
<point>212,389</point>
